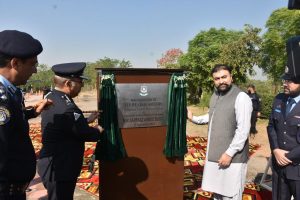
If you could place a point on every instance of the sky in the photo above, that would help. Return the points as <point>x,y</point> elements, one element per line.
<point>140,31</point>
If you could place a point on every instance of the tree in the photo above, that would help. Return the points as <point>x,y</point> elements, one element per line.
<point>281,25</point>
<point>170,59</point>
<point>43,78</point>
<point>103,63</point>
<point>242,54</point>
<point>107,62</point>
<point>240,49</point>
<point>125,64</point>
<point>202,54</point>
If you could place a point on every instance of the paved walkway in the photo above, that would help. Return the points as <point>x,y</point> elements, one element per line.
<point>36,191</point>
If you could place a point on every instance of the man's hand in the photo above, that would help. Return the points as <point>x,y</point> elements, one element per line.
<point>258,114</point>
<point>93,116</point>
<point>189,115</point>
<point>225,160</point>
<point>281,159</point>
<point>42,105</point>
<point>99,128</point>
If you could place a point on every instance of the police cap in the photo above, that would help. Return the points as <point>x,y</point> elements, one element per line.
<point>71,70</point>
<point>290,77</point>
<point>19,44</point>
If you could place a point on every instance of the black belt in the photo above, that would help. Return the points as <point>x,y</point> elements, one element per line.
<point>13,188</point>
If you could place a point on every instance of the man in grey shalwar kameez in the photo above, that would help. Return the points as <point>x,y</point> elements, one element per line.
<point>228,131</point>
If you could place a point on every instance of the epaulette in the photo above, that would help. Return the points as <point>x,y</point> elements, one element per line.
<point>67,100</point>
<point>3,94</point>
<point>45,97</point>
<point>4,112</point>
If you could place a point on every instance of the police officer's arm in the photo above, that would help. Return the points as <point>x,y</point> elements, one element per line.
<point>258,103</point>
<point>80,126</point>
<point>294,155</point>
<point>34,111</point>
<point>259,106</point>
<point>271,130</point>
<point>6,128</point>
<point>279,154</point>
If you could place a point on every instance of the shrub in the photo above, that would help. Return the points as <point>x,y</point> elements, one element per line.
<point>266,104</point>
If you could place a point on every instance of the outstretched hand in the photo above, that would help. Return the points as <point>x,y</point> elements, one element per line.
<point>42,105</point>
<point>93,116</point>
<point>189,115</point>
<point>99,128</point>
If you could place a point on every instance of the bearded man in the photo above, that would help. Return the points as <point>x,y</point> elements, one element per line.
<point>229,125</point>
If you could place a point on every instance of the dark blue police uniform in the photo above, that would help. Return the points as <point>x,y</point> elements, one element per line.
<point>256,108</point>
<point>64,131</point>
<point>17,157</point>
<point>284,133</point>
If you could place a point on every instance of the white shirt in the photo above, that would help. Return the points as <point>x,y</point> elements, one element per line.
<point>229,181</point>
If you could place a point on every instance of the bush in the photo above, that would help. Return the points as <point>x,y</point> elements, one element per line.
<point>205,98</point>
<point>266,104</point>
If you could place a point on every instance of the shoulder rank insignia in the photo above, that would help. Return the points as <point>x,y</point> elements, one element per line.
<point>3,94</point>
<point>4,115</point>
<point>66,98</point>
<point>76,116</point>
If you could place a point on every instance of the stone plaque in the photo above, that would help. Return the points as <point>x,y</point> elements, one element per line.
<point>142,105</point>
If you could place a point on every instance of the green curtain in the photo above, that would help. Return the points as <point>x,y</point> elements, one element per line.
<point>111,146</point>
<point>175,145</point>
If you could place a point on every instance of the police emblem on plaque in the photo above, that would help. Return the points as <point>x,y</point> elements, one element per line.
<point>143,91</point>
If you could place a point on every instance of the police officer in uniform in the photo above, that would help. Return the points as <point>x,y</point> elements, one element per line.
<point>18,61</point>
<point>284,137</point>
<point>64,131</point>
<point>256,104</point>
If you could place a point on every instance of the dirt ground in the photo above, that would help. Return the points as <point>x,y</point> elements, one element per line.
<point>87,101</point>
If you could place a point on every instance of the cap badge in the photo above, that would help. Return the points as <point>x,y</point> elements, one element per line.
<point>286,70</point>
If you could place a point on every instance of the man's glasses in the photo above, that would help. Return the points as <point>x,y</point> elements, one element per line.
<point>287,81</point>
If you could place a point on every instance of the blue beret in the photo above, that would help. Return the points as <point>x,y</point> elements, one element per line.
<point>19,44</point>
<point>72,70</point>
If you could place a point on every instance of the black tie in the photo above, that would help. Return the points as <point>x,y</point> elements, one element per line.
<point>291,101</point>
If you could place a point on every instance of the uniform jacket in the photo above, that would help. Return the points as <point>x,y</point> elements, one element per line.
<point>284,133</point>
<point>64,131</point>
<point>17,157</point>
<point>255,101</point>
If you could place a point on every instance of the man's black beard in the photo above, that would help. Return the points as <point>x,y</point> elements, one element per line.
<point>293,95</point>
<point>222,92</point>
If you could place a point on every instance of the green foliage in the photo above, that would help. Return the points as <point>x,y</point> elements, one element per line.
<point>266,104</point>
<point>194,90</point>
<point>205,98</point>
<point>203,51</point>
<point>112,63</point>
<point>240,49</point>
<point>43,78</point>
<point>242,54</point>
<point>281,25</point>
<point>265,89</point>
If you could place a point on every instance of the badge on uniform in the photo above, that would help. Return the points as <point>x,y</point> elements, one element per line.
<point>3,96</point>
<point>277,110</point>
<point>4,115</point>
<point>76,116</point>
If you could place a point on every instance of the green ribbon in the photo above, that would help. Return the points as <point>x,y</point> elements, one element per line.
<point>175,145</point>
<point>111,146</point>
